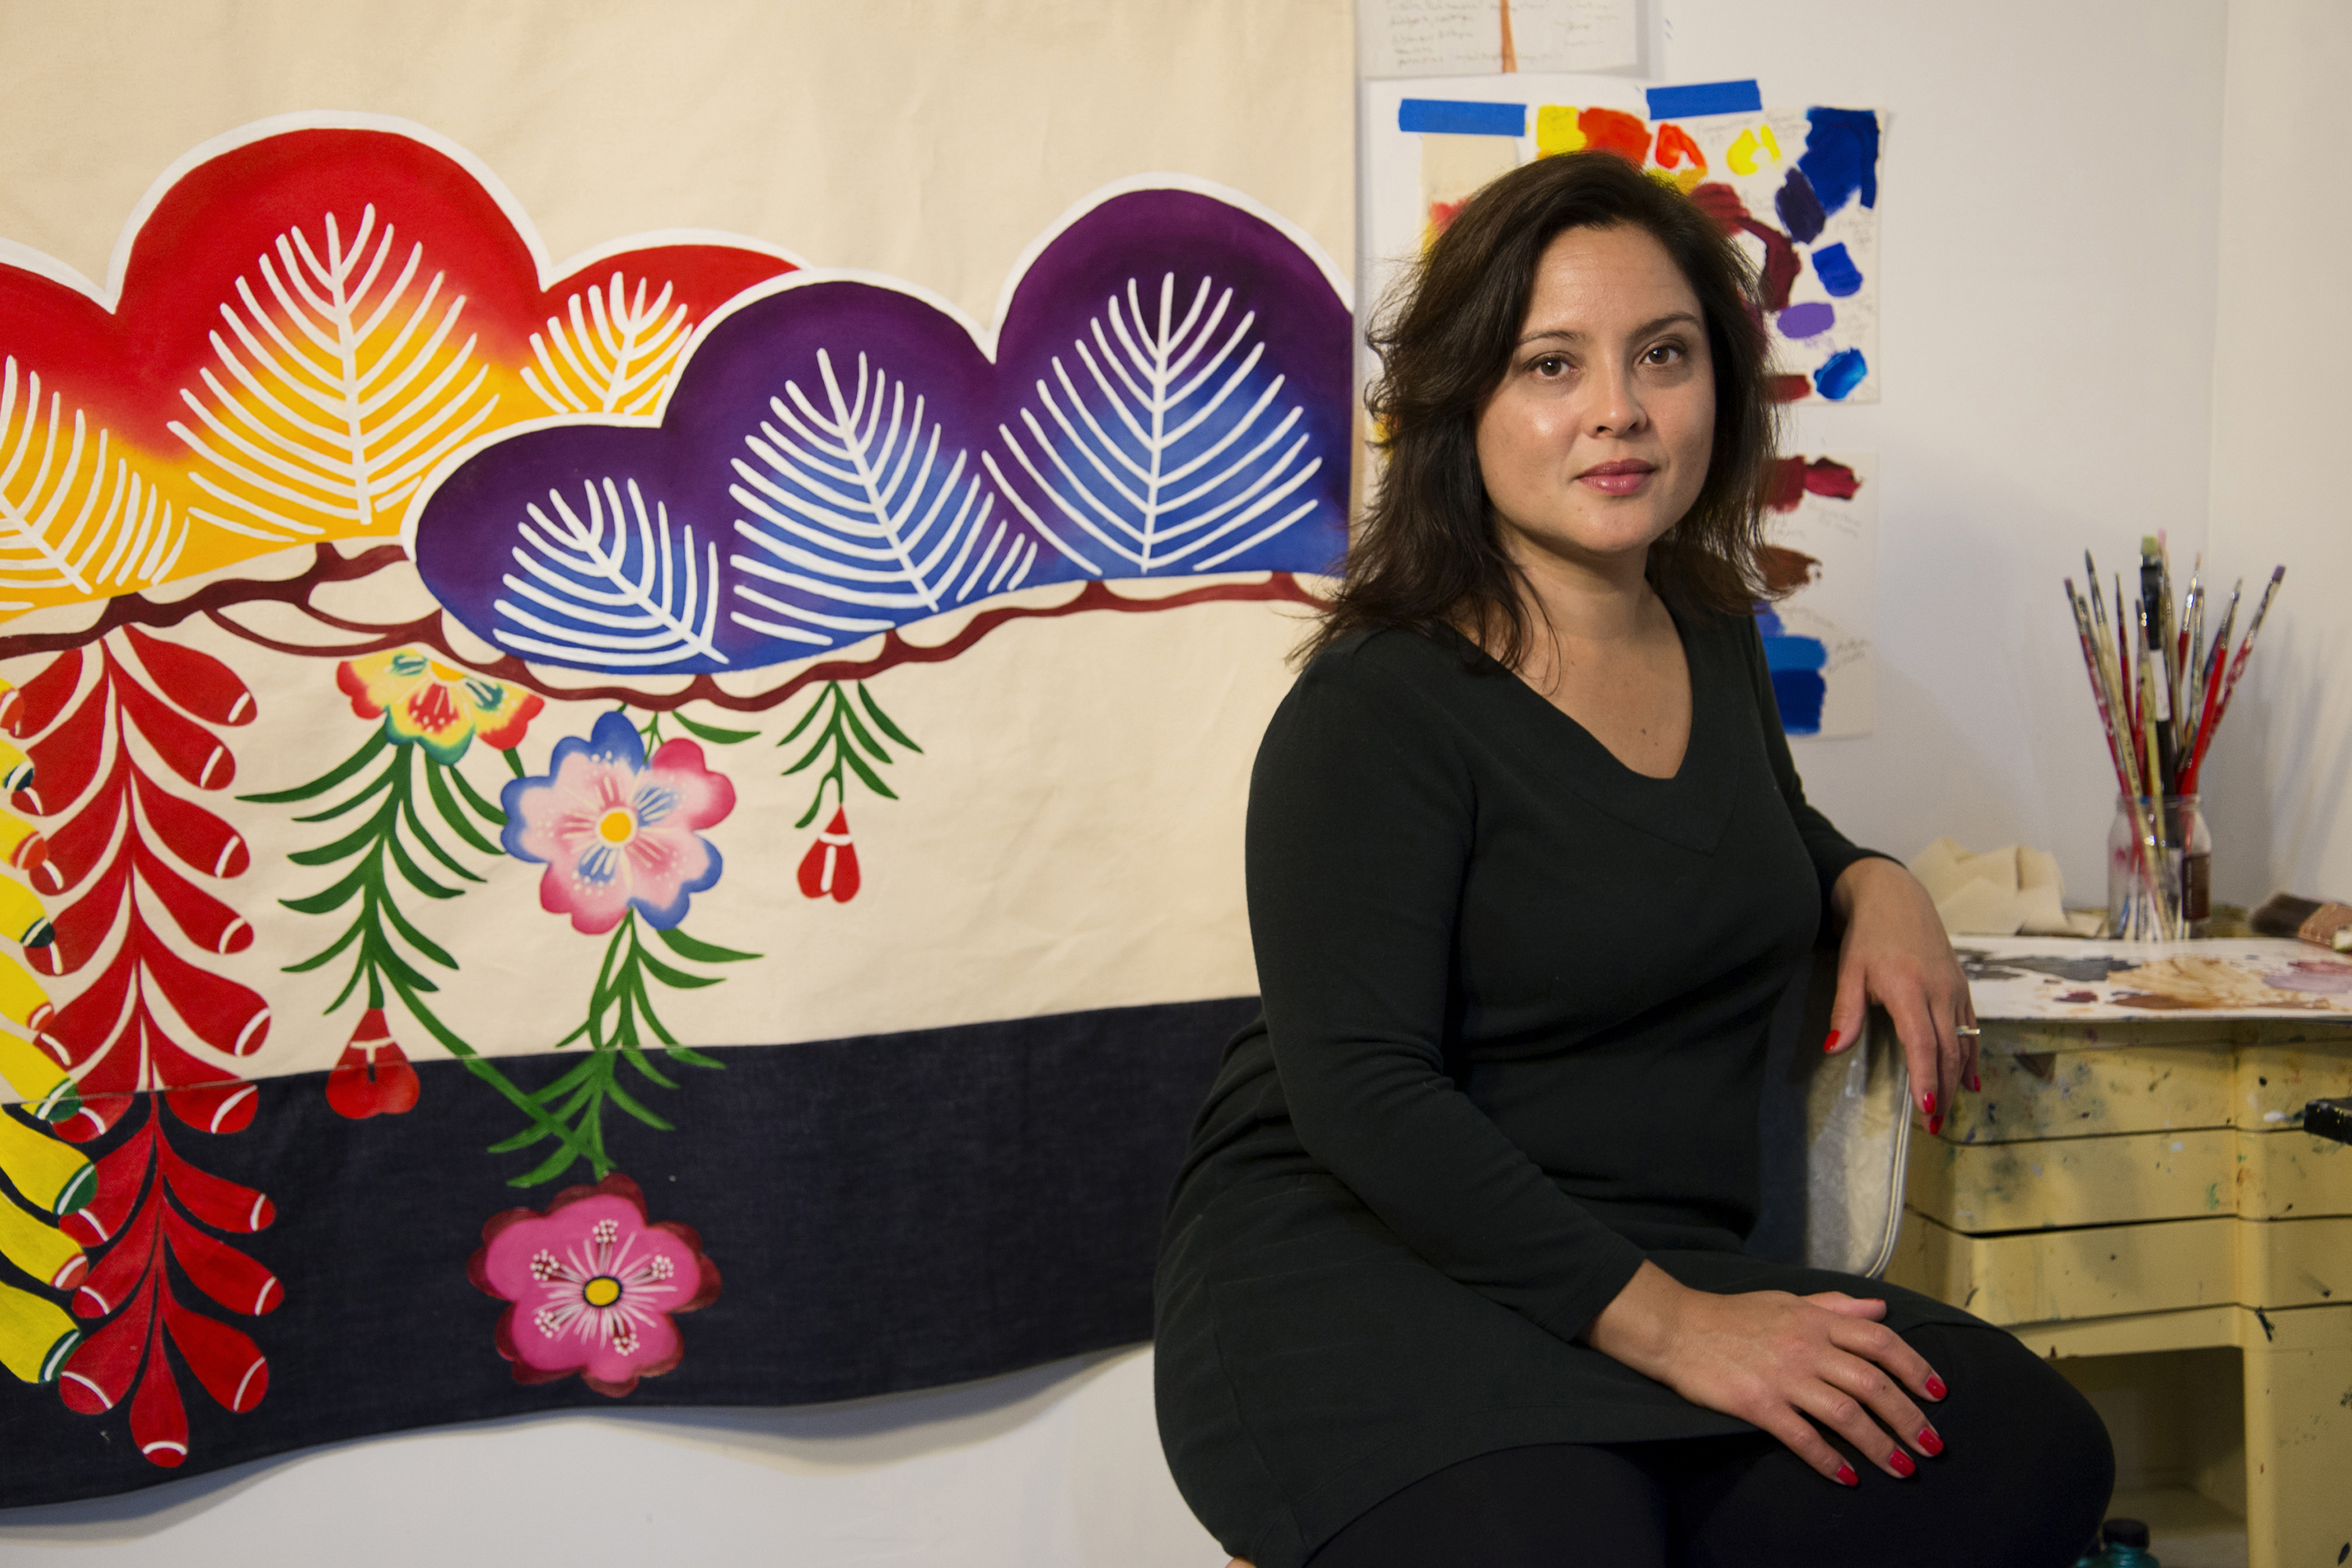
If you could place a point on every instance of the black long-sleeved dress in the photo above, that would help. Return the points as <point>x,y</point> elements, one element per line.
<point>1516,998</point>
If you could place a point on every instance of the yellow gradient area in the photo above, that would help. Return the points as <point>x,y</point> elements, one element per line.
<point>284,445</point>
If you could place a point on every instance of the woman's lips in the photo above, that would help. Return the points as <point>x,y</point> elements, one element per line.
<point>1619,479</point>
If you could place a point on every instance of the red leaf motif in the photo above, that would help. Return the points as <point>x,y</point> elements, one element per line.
<point>40,700</point>
<point>80,1032</point>
<point>122,1177</point>
<point>66,759</point>
<point>186,747</point>
<point>220,1270</point>
<point>159,1422</point>
<point>830,867</point>
<point>78,845</point>
<point>223,1013</point>
<point>82,927</point>
<point>195,681</point>
<point>372,1076</point>
<point>218,1202</point>
<point>118,1275</point>
<point>230,1366</point>
<point>204,920</point>
<point>100,1370</point>
<point>198,837</point>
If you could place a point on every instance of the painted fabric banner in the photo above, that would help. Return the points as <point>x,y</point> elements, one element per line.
<point>650,818</point>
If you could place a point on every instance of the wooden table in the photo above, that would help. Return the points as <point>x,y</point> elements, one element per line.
<point>2126,1189</point>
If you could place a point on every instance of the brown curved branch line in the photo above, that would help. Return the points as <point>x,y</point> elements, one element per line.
<point>216,599</point>
<point>895,650</point>
<point>138,610</point>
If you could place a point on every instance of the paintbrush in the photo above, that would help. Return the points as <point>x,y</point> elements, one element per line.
<point>2238,666</point>
<point>2163,756</point>
<point>2314,920</point>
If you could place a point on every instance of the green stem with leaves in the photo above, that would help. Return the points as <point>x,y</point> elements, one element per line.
<point>845,745</point>
<point>394,839</point>
<point>621,1027</point>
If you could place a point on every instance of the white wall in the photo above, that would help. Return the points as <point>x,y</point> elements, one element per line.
<point>2282,404</point>
<point>2048,247</point>
<point>1055,1468</point>
<point>2071,205</point>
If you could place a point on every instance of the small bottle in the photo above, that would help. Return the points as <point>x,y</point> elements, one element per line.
<point>2126,1540</point>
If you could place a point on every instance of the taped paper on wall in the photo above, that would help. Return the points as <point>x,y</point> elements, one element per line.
<point>1455,38</point>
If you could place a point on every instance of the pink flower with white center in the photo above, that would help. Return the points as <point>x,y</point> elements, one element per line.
<point>593,1287</point>
<point>616,829</point>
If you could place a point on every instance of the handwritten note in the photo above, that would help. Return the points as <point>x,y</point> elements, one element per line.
<point>1460,37</point>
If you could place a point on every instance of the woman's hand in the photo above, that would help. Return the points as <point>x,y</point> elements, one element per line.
<point>1780,1363</point>
<point>1896,953</point>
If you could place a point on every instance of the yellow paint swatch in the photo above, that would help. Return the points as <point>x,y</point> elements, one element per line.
<point>1742,157</point>
<point>1556,130</point>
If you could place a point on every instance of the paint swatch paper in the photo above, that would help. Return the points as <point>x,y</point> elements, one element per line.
<point>1798,188</point>
<point>1821,528</point>
<point>1458,38</point>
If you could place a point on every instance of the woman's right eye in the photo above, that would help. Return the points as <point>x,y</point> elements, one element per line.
<point>1548,365</point>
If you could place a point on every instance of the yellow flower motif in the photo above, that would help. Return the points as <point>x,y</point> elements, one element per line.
<point>434,705</point>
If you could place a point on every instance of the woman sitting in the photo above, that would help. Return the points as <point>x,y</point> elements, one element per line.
<point>1454,1271</point>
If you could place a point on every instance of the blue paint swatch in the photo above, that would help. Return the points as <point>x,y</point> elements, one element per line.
<point>1810,320</point>
<point>1799,208</point>
<point>1837,271</point>
<point>1840,374</point>
<point>1841,156</point>
<point>1458,116</point>
<point>1800,693</point>
<point>1795,663</point>
<point>1706,98</point>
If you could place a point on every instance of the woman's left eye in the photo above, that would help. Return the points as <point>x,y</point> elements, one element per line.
<point>1663,353</point>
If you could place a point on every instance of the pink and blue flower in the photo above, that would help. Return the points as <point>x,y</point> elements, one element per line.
<point>617,830</point>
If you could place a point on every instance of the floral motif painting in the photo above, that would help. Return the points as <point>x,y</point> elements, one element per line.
<point>436,686</point>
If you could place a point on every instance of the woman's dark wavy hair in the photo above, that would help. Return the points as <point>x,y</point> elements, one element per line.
<point>1426,554</point>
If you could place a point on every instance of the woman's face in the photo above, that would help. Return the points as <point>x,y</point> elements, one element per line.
<point>1597,440</point>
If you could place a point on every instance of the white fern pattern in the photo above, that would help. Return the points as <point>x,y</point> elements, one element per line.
<point>345,395</point>
<point>854,508</point>
<point>1180,458</point>
<point>67,521</point>
<point>615,357</point>
<point>593,591</point>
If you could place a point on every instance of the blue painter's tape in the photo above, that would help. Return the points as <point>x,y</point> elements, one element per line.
<point>1706,98</point>
<point>1457,116</point>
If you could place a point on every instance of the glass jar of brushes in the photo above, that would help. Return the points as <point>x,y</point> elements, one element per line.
<point>2160,869</point>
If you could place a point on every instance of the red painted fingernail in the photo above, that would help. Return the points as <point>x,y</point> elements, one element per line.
<point>1928,1442</point>
<point>1935,1124</point>
<point>1927,1103</point>
<point>1976,1084</point>
<point>1846,1477</point>
<point>1935,1386</point>
<point>1831,1044</point>
<point>1900,1463</point>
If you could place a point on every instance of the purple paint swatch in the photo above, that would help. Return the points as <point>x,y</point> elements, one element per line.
<point>1809,319</point>
<point>1800,209</point>
<point>1837,271</point>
